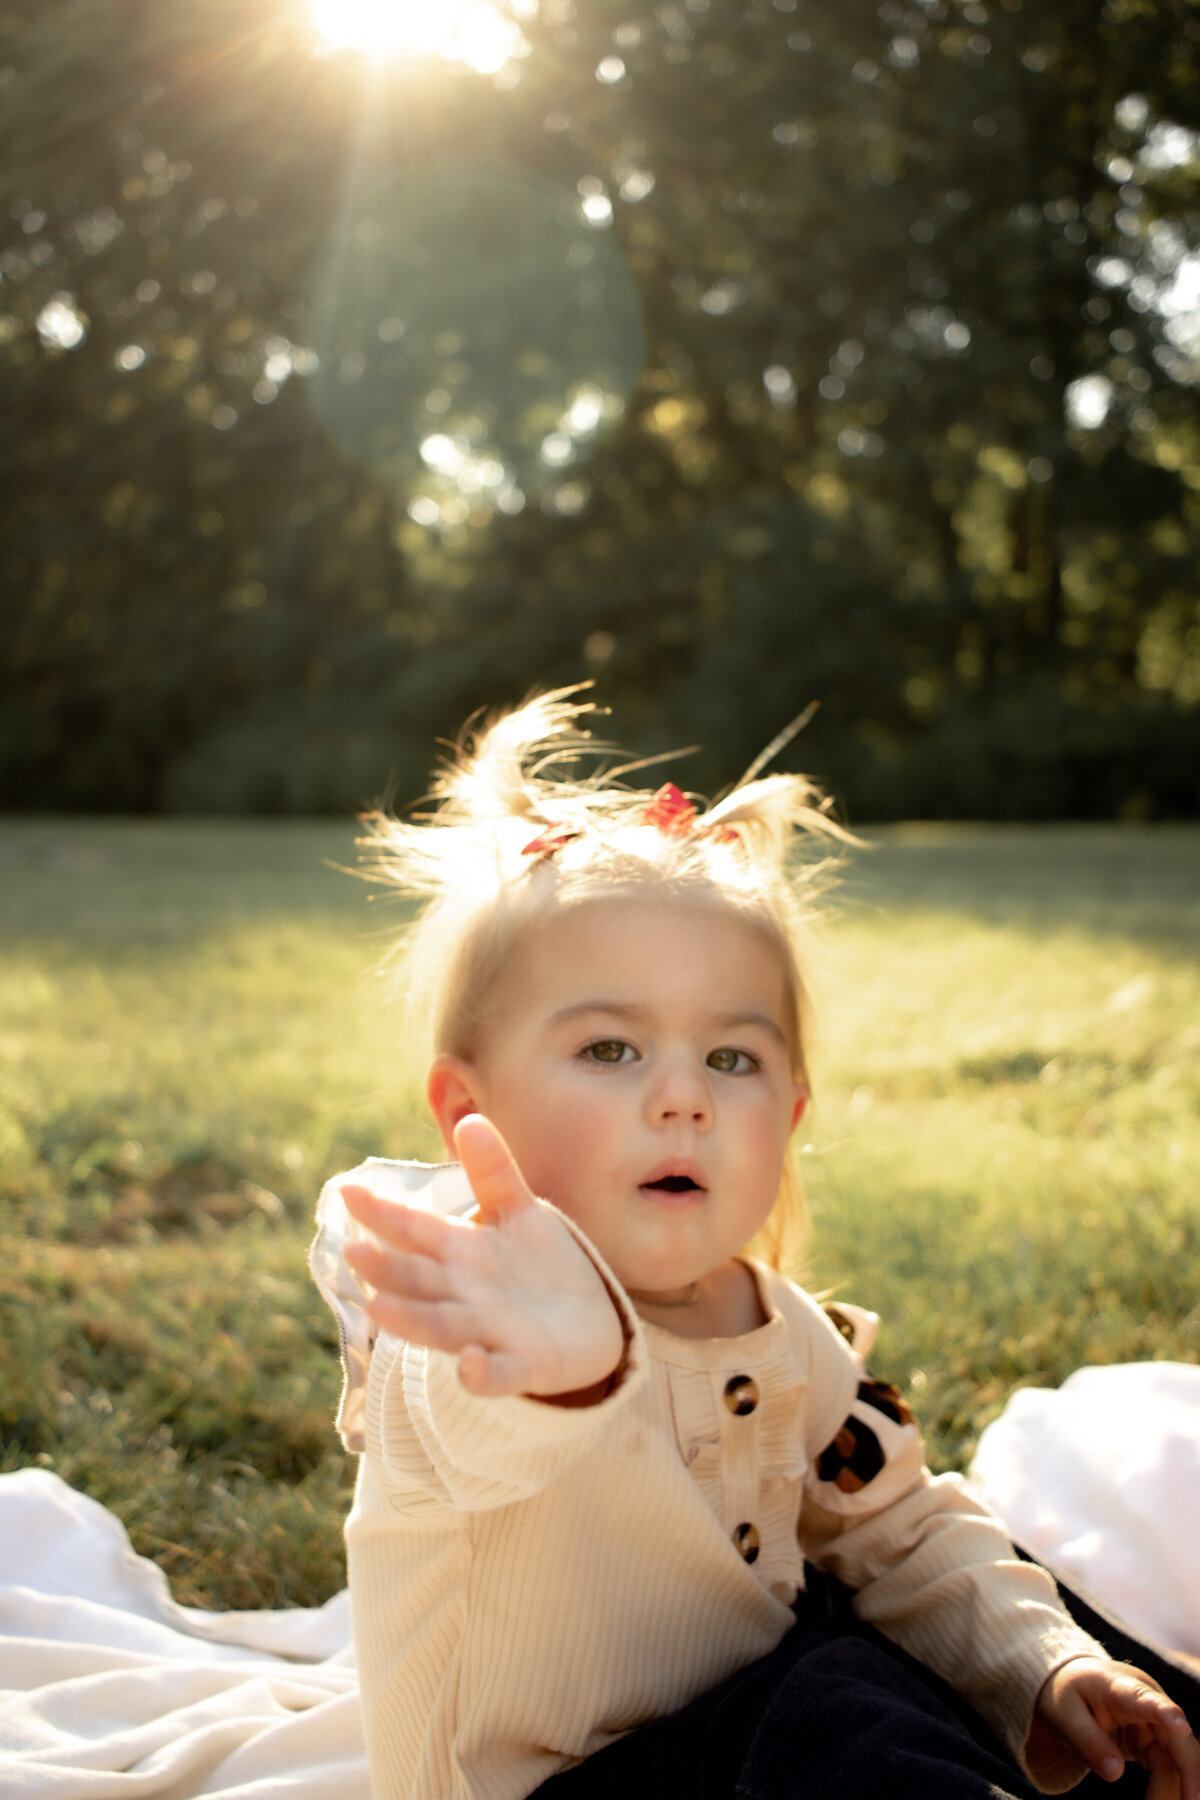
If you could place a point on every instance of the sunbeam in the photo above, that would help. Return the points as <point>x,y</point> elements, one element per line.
<point>484,37</point>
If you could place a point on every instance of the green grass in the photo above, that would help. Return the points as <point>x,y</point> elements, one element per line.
<point>193,1035</point>
<point>1002,1167</point>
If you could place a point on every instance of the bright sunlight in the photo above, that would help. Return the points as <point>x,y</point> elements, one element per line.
<point>484,37</point>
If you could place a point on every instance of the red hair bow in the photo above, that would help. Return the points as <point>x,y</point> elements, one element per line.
<point>670,810</point>
<point>549,841</point>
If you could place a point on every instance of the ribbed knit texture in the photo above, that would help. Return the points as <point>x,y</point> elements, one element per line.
<point>529,1581</point>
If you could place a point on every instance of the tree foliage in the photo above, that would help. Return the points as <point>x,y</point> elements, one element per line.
<point>898,415</point>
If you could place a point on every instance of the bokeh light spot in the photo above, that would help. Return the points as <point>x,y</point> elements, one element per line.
<point>60,324</point>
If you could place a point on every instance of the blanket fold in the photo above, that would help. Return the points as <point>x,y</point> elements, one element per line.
<point>110,1690</point>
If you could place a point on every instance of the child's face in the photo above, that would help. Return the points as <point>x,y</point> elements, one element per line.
<point>638,1065</point>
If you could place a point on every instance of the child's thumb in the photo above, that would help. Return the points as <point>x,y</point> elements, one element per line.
<point>497,1183</point>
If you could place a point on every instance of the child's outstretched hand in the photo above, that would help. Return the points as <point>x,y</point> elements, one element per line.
<point>510,1291</point>
<point>1111,1714</point>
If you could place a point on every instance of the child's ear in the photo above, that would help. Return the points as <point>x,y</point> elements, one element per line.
<point>452,1089</point>
<point>800,1104</point>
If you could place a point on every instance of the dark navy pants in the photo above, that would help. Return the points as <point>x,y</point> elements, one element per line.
<point>834,1713</point>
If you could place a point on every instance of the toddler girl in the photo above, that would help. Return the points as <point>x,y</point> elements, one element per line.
<point>600,1439</point>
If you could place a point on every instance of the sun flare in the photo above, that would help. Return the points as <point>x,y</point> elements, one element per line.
<point>483,36</point>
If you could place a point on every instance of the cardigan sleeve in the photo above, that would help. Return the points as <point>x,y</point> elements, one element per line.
<point>934,1569</point>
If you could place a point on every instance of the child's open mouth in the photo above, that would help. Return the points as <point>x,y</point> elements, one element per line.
<point>673,1181</point>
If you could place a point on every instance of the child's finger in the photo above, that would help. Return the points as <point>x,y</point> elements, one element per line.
<point>405,1228</point>
<point>412,1277</point>
<point>1136,1699</point>
<point>438,1324</point>
<point>1174,1757</point>
<point>1164,1782</point>
<point>386,1218</point>
<point>1077,1723</point>
<point>495,1179</point>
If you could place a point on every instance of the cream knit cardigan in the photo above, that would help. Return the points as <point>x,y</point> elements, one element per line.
<point>528,1582</point>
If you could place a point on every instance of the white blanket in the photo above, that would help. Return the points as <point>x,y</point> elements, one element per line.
<point>108,1689</point>
<point>1100,1479</point>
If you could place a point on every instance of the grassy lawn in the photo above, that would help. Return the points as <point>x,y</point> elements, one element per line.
<point>193,1034</point>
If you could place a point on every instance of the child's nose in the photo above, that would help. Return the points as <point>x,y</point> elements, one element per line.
<point>682,1094</point>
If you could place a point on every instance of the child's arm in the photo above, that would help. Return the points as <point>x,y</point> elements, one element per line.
<point>511,1293</point>
<point>1110,1713</point>
<point>934,1569</point>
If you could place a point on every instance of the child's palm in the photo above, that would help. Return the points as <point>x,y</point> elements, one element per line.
<point>512,1293</point>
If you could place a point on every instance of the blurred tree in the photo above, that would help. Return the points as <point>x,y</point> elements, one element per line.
<point>914,434</point>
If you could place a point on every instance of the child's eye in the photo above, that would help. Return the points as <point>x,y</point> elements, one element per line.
<point>608,1050</point>
<point>728,1061</point>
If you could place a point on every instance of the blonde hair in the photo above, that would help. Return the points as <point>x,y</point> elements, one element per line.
<point>515,830</point>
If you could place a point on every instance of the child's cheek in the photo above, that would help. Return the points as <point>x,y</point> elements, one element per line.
<point>557,1143</point>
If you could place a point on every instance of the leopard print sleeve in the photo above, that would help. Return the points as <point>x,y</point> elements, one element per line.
<point>875,1443</point>
<point>875,1456</point>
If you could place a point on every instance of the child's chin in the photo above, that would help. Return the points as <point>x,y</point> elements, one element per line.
<point>669,1282</point>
